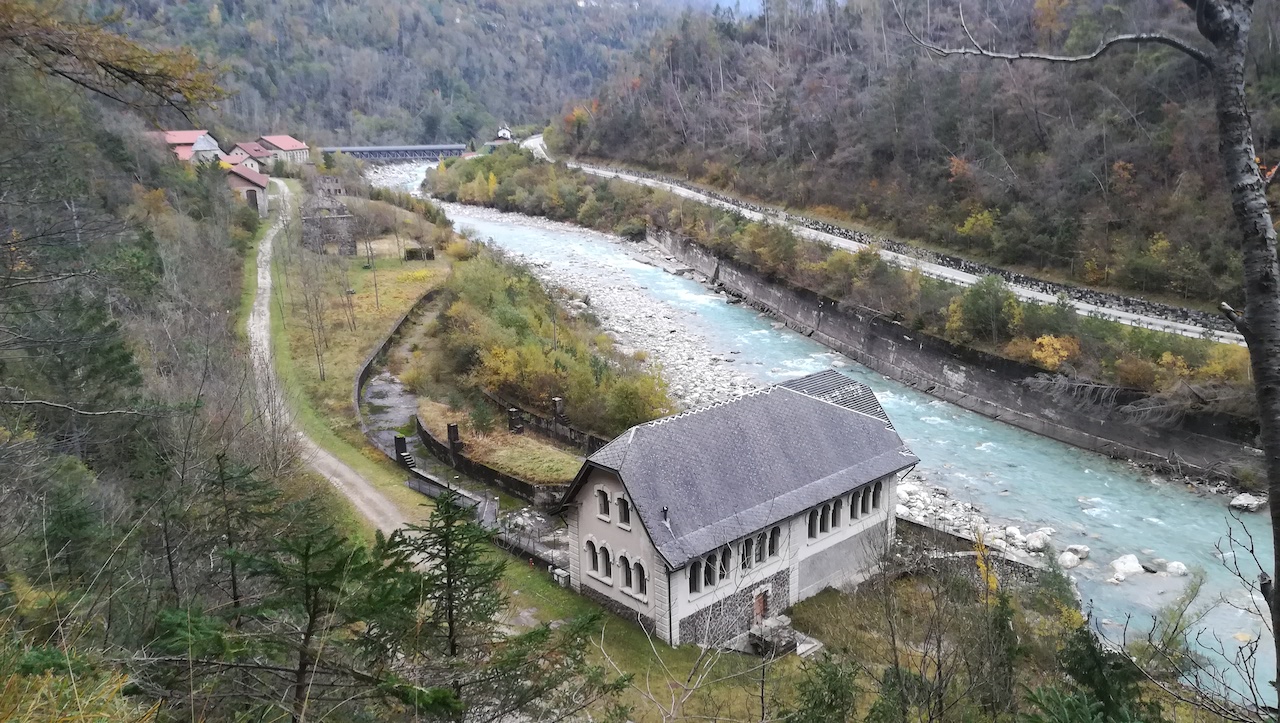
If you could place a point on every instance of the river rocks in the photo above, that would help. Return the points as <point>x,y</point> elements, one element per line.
<point>1037,541</point>
<point>1176,569</point>
<point>1068,561</point>
<point>1080,551</point>
<point>1126,565</point>
<point>1246,502</point>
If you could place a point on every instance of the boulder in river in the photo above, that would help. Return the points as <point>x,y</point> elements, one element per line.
<point>1067,561</point>
<point>1037,541</point>
<point>1080,551</point>
<point>1126,565</point>
<point>1247,502</point>
<point>1176,569</point>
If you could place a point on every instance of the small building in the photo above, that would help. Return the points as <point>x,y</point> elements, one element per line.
<point>250,149</point>
<point>195,146</point>
<point>330,186</point>
<point>251,186</point>
<point>229,161</point>
<point>326,221</point>
<point>705,525</point>
<point>501,139</point>
<point>286,148</point>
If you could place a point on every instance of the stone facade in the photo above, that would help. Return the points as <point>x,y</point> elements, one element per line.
<point>325,221</point>
<point>726,621</point>
<point>620,609</point>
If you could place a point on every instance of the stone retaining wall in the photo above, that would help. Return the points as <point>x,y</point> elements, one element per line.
<point>1201,445</point>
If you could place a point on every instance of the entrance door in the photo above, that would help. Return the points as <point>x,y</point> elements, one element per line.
<point>761,606</point>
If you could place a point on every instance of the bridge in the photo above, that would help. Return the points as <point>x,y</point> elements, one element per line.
<point>391,154</point>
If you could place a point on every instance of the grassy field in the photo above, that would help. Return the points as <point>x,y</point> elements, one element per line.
<point>525,457</point>
<point>323,407</point>
<point>660,673</point>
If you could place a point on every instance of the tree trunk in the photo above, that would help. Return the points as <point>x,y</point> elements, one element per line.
<point>1229,32</point>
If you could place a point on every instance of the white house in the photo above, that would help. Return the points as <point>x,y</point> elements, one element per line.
<point>705,525</point>
<point>285,148</point>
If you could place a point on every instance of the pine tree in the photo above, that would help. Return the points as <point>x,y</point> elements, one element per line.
<point>460,576</point>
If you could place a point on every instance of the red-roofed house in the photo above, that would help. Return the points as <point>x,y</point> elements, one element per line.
<point>286,148</point>
<point>198,146</point>
<point>249,185</point>
<point>250,149</point>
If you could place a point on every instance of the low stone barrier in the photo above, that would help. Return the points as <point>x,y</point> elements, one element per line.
<point>1202,445</point>
<point>544,496</point>
<point>589,442</point>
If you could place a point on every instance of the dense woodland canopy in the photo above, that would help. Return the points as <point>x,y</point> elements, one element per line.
<point>1105,172</point>
<point>397,71</point>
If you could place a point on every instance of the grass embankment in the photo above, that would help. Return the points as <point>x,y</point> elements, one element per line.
<point>521,456</point>
<point>322,407</point>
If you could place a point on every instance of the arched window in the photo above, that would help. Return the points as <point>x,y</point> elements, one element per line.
<point>709,570</point>
<point>875,495</point>
<point>775,540</point>
<point>836,506</point>
<point>624,511</point>
<point>606,563</point>
<point>747,553</point>
<point>695,576</point>
<point>726,556</point>
<point>854,500</point>
<point>625,565</point>
<point>602,501</point>
<point>642,580</point>
<point>866,502</point>
<point>761,541</point>
<point>824,523</point>
<point>595,558</point>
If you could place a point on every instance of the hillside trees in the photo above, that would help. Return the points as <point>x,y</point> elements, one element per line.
<point>395,71</point>
<point>1079,171</point>
<point>1227,26</point>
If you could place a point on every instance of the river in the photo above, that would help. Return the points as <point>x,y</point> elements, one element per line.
<point>1014,477</point>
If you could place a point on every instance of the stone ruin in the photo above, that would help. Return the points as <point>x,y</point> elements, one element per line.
<point>325,221</point>
<point>330,186</point>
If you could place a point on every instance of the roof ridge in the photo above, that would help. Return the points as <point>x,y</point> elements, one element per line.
<point>707,407</point>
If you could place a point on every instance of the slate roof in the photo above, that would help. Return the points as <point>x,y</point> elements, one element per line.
<point>730,469</point>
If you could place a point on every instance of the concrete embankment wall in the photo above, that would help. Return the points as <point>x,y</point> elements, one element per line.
<point>1198,445</point>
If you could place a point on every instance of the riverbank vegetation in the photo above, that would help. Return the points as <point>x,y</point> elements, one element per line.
<point>526,457</point>
<point>1105,173</point>
<point>502,331</point>
<point>986,316</point>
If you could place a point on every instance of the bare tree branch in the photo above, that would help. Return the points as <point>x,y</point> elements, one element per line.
<point>1126,39</point>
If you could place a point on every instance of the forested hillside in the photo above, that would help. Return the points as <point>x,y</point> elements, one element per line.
<point>397,71</point>
<point>164,552</point>
<point>1106,173</point>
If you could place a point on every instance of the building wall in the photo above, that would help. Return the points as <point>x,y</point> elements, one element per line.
<point>241,188</point>
<point>805,566</point>
<point>724,611</point>
<point>731,616</point>
<point>630,541</point>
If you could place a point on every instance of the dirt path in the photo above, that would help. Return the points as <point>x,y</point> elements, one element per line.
<point>368,500</point>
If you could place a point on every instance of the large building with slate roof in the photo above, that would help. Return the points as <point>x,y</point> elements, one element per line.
<point>706,524</point>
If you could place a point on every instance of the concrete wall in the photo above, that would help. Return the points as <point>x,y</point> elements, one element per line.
<point>1208,445</point>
